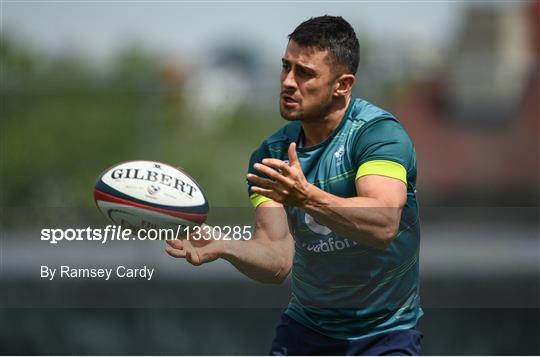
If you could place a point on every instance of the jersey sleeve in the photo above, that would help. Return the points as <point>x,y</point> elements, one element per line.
<point>383,148</point>
<point>257,156</point>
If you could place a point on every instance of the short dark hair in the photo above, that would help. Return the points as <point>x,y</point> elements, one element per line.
<point>330,33</point>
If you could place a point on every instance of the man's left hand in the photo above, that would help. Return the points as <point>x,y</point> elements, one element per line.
<point>286,184</point>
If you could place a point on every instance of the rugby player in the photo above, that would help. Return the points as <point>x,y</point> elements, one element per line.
<point>334,194</point>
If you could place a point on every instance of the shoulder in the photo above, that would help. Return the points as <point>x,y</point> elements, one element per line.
<point>375,122</point>
<point>380,136</point>
<point>365,113</point>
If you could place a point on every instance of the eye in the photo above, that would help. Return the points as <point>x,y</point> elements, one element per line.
<point>305,73</point>
<point>285,66</point>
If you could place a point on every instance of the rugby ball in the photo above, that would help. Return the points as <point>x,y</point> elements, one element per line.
<point>150,194</point>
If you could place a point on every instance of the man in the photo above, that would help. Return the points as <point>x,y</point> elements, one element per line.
<point>334,192</point>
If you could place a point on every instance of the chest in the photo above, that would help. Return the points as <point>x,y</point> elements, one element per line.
<point>330,168</point>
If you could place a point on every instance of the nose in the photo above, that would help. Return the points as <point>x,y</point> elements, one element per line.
<point>287,79</point>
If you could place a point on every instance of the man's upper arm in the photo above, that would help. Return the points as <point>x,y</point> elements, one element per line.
<point>389,191</point>
<point>384,155</point>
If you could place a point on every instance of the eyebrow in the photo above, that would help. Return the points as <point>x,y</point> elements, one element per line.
<point>302,67</point>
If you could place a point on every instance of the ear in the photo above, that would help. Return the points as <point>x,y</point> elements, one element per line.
<point>344,85</point>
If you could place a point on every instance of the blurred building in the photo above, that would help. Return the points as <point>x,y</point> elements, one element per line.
<point>223,82</point>
<point>488,68</point>
<point>476,126</point>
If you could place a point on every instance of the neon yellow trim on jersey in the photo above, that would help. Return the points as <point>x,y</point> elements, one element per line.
<point>257,199</point>
<point>382,168</point>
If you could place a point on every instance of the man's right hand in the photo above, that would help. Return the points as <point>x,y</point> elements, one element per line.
<point>267,257</point>
<point>195,250</point>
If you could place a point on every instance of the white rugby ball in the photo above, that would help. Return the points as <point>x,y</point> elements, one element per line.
<point>150,194</point>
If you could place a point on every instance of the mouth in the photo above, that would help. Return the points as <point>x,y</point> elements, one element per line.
<point>288,100</point>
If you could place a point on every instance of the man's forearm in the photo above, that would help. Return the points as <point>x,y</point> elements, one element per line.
<point>362,219</point>
<point>267,263</point>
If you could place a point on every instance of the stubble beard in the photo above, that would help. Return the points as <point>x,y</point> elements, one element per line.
<point>317,114</point>
<point>290,116</point>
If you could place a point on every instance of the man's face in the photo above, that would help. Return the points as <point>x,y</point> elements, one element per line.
<point>307,82</point>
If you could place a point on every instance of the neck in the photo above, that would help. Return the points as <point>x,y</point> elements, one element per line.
<point>315,132</point>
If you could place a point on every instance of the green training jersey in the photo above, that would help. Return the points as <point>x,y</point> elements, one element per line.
<point>340,287</point>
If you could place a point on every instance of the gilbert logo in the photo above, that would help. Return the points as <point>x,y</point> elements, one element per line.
<point>154,177</point>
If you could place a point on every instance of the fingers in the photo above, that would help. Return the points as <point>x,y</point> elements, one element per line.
<point>273,174</point>
<point>175,243</point>
<point>278,165</point>
<point>175,248</point>
<point>284,178</point>
<point>176,253</point>
<point>267,193</point>
<point>293,158</point>
<point>261,182</point>
<point>191,255</point>
<point>282,165</point>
